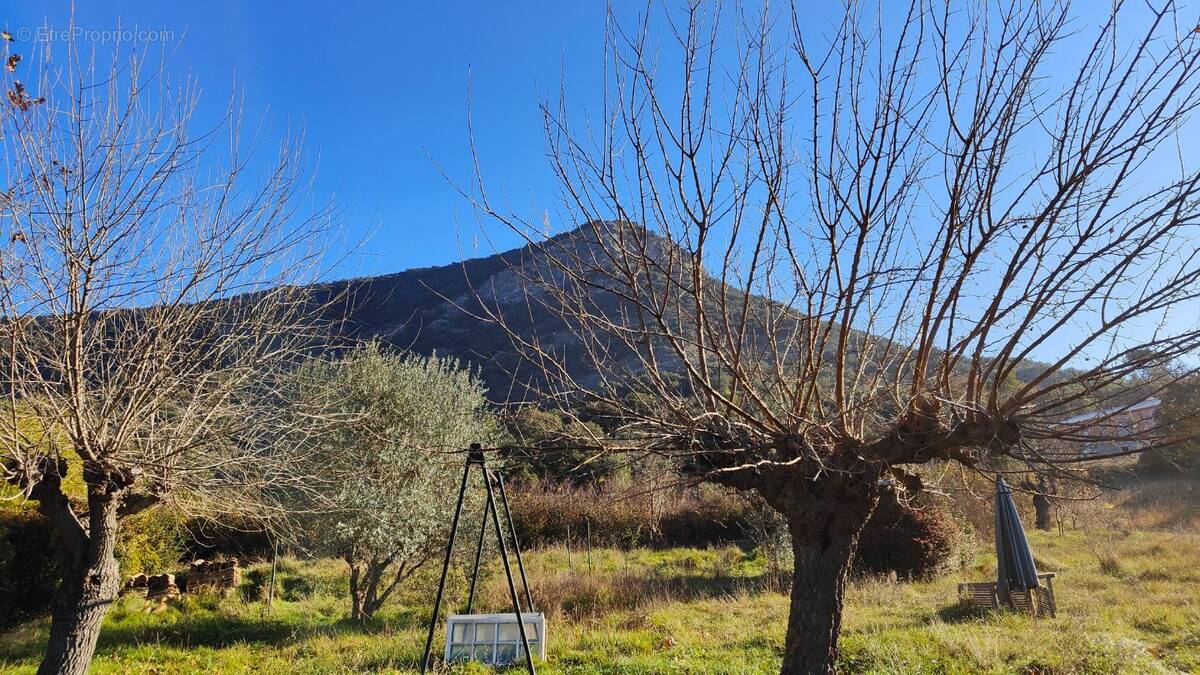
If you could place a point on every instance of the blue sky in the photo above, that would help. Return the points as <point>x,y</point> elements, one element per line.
<point>381,90</point>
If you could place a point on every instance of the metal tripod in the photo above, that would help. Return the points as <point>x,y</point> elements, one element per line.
<point>475,457</point>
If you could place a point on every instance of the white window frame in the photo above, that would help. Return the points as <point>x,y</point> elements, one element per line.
<point>493,638</point>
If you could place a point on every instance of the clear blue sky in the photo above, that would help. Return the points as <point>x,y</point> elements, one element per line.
<point>381,89</point>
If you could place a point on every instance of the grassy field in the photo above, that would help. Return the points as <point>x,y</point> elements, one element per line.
<point>1129,602</point>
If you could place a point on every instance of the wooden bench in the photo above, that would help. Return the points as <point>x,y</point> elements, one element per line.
<point>1038,602</point>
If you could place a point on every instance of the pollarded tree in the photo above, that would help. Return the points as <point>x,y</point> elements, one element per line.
<point>814,257</point>
<point>127,234</point>
<point>393,431</point>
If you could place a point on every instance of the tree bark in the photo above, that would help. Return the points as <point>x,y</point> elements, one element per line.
<point>1042,515</point>
<point>825,518</point>
<point>364,589</point>
<point>356,595</point>
<point>90,583</point>
<point>822,569</point>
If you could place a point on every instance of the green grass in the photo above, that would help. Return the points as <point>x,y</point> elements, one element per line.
<point>1128,602</point>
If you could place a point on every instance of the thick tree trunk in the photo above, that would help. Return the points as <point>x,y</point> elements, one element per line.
<point>90,583</point>
<point>1042,515</point>
<point>825,517</point>
<point>822,568</point>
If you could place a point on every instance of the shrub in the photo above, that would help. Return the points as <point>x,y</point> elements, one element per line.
<point>1176,462</point>
<point>228,538</point>
<point>920,541</point>
<point>917,541</point>
<point>254,583</point>
<point>769,532</point>
<point>542,449</point>
<point>151,542</point>
<point>546,512</point>
<point>706,516</point>
<point>28,570</point>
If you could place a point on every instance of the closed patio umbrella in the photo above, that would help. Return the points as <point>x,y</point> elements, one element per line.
<point>1014,561</point>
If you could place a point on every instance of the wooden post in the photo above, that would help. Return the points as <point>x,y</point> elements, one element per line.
<point>271,588</point>
<point>588,523</point>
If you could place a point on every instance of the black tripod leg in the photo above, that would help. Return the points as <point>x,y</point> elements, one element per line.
<point>512,528</point>
<point>512,587</point>
<point>487,511</point>
<point>437,604</point>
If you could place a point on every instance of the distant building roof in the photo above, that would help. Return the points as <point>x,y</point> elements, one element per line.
<point>1117,410</point>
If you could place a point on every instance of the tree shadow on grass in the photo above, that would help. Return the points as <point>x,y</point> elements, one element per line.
<point>961,612</point>
<point>214,631</point>
<point>703,586</point>
<point>24,642</point>
<point>412,662</point>
<point>208,631</point>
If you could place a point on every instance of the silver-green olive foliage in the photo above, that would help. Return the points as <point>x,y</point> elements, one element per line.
<point>395,427</point>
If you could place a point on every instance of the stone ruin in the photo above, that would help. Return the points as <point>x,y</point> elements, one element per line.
<point>161,587</point>
<point>219,577</point>
<point>137,582</point>
<point>203,576</point>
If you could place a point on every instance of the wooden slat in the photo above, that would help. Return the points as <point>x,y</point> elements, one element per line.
<point>1046,601</point>
<point>981,595</point>
<point>1037,602</point>
<point>1022,601</point>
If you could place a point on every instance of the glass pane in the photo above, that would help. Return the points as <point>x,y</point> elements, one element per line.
<point>507,653</point>
<point>531,630</point>
<point>485,632</point>
<point>508,632</point>
<point>483,653</point>
<point>459,653</point>
<point>459,632</point>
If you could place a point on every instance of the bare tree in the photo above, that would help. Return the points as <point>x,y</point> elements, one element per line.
<point>811,263</point>
<point>127,236</point>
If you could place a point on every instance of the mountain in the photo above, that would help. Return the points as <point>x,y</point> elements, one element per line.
<point>422,311</point>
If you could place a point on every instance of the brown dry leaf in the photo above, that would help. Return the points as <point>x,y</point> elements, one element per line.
<point>6,35</point>
<point>11,63</point>
<point>19,99</point>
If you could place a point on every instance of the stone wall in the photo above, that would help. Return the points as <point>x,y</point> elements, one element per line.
<point>161,587</point>
<point>219,577</point>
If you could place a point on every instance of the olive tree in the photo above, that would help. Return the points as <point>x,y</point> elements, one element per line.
<point>394,428</point>
<point>150,297</point>
<point>816,256</point>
